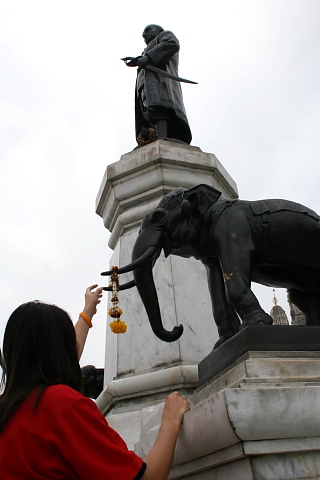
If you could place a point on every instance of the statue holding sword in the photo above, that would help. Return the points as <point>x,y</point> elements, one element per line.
<point>159,108</point>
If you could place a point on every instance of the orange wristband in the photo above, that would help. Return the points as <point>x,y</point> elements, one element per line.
<point>86,318</point>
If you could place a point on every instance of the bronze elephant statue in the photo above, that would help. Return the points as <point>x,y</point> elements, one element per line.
<point>271,242</point>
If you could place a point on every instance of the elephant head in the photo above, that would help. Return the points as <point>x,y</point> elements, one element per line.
<point>175,226</point>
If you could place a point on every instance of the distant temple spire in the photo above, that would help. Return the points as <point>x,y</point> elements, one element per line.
<point>297,317</point>
<point>277,313</point>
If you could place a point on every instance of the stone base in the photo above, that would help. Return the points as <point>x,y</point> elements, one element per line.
<point>296,460</point>
<point>258,419</point>
<point>259,338</point>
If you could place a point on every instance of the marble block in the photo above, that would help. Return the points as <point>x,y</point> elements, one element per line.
<point>237,415</point>
<point>287,466</point>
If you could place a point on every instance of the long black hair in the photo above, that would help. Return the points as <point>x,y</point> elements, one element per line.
<point>39,349</point>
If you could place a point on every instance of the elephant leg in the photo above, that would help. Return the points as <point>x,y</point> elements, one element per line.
<point>225,317</point>
<point>236,265</point>
<point>308,303</point>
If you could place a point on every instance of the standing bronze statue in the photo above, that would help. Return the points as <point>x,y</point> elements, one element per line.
<point>159,108</point>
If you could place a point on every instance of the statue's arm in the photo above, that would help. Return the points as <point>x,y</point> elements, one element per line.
<point>165,49</point>
<point>161,53</point>
<point>140,61</point>
<point>131,61</point>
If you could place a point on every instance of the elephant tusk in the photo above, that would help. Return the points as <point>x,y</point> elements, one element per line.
<point>139,262</point>
<point>125,286</point>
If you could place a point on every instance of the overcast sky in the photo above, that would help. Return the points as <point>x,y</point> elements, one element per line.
<point>67,111</point>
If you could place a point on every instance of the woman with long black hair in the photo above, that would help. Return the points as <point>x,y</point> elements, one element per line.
<point>48,429</point>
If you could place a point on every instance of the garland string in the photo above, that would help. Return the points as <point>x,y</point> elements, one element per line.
<point>118,325</point>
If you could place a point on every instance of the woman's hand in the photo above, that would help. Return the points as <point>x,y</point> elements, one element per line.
<point>92,299</point>
<point>175,408</point>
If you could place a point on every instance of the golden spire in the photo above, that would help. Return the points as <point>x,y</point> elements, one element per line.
<point>277,313</point>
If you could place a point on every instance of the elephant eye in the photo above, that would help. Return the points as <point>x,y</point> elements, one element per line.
<point>157,216</point>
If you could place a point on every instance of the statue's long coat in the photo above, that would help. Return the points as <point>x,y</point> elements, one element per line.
<point>162,93</point>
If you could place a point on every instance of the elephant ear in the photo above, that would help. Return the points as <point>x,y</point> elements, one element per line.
<point>201,197</point>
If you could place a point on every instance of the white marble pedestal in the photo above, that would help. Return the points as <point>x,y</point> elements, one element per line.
<point>257,420</point>
<point>140,369</point>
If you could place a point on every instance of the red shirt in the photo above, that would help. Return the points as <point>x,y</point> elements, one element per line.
<point>66,438</point>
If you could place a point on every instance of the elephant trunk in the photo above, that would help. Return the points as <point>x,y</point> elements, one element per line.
<point>145,284</point>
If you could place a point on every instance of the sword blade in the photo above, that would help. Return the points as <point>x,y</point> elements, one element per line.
<point>169,75</point>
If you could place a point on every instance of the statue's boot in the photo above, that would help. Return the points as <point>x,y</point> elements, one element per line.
<point>161,127</point>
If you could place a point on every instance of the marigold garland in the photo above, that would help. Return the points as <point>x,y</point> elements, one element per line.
<point>115,312</point>
<point>117,326</point>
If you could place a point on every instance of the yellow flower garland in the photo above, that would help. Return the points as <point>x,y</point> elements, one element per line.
<point>117,326</point>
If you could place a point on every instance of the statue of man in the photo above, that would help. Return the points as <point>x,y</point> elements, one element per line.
<point>159,108</point>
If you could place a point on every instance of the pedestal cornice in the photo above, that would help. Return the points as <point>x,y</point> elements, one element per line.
<point>135,184</point>
<point>147,383</point>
